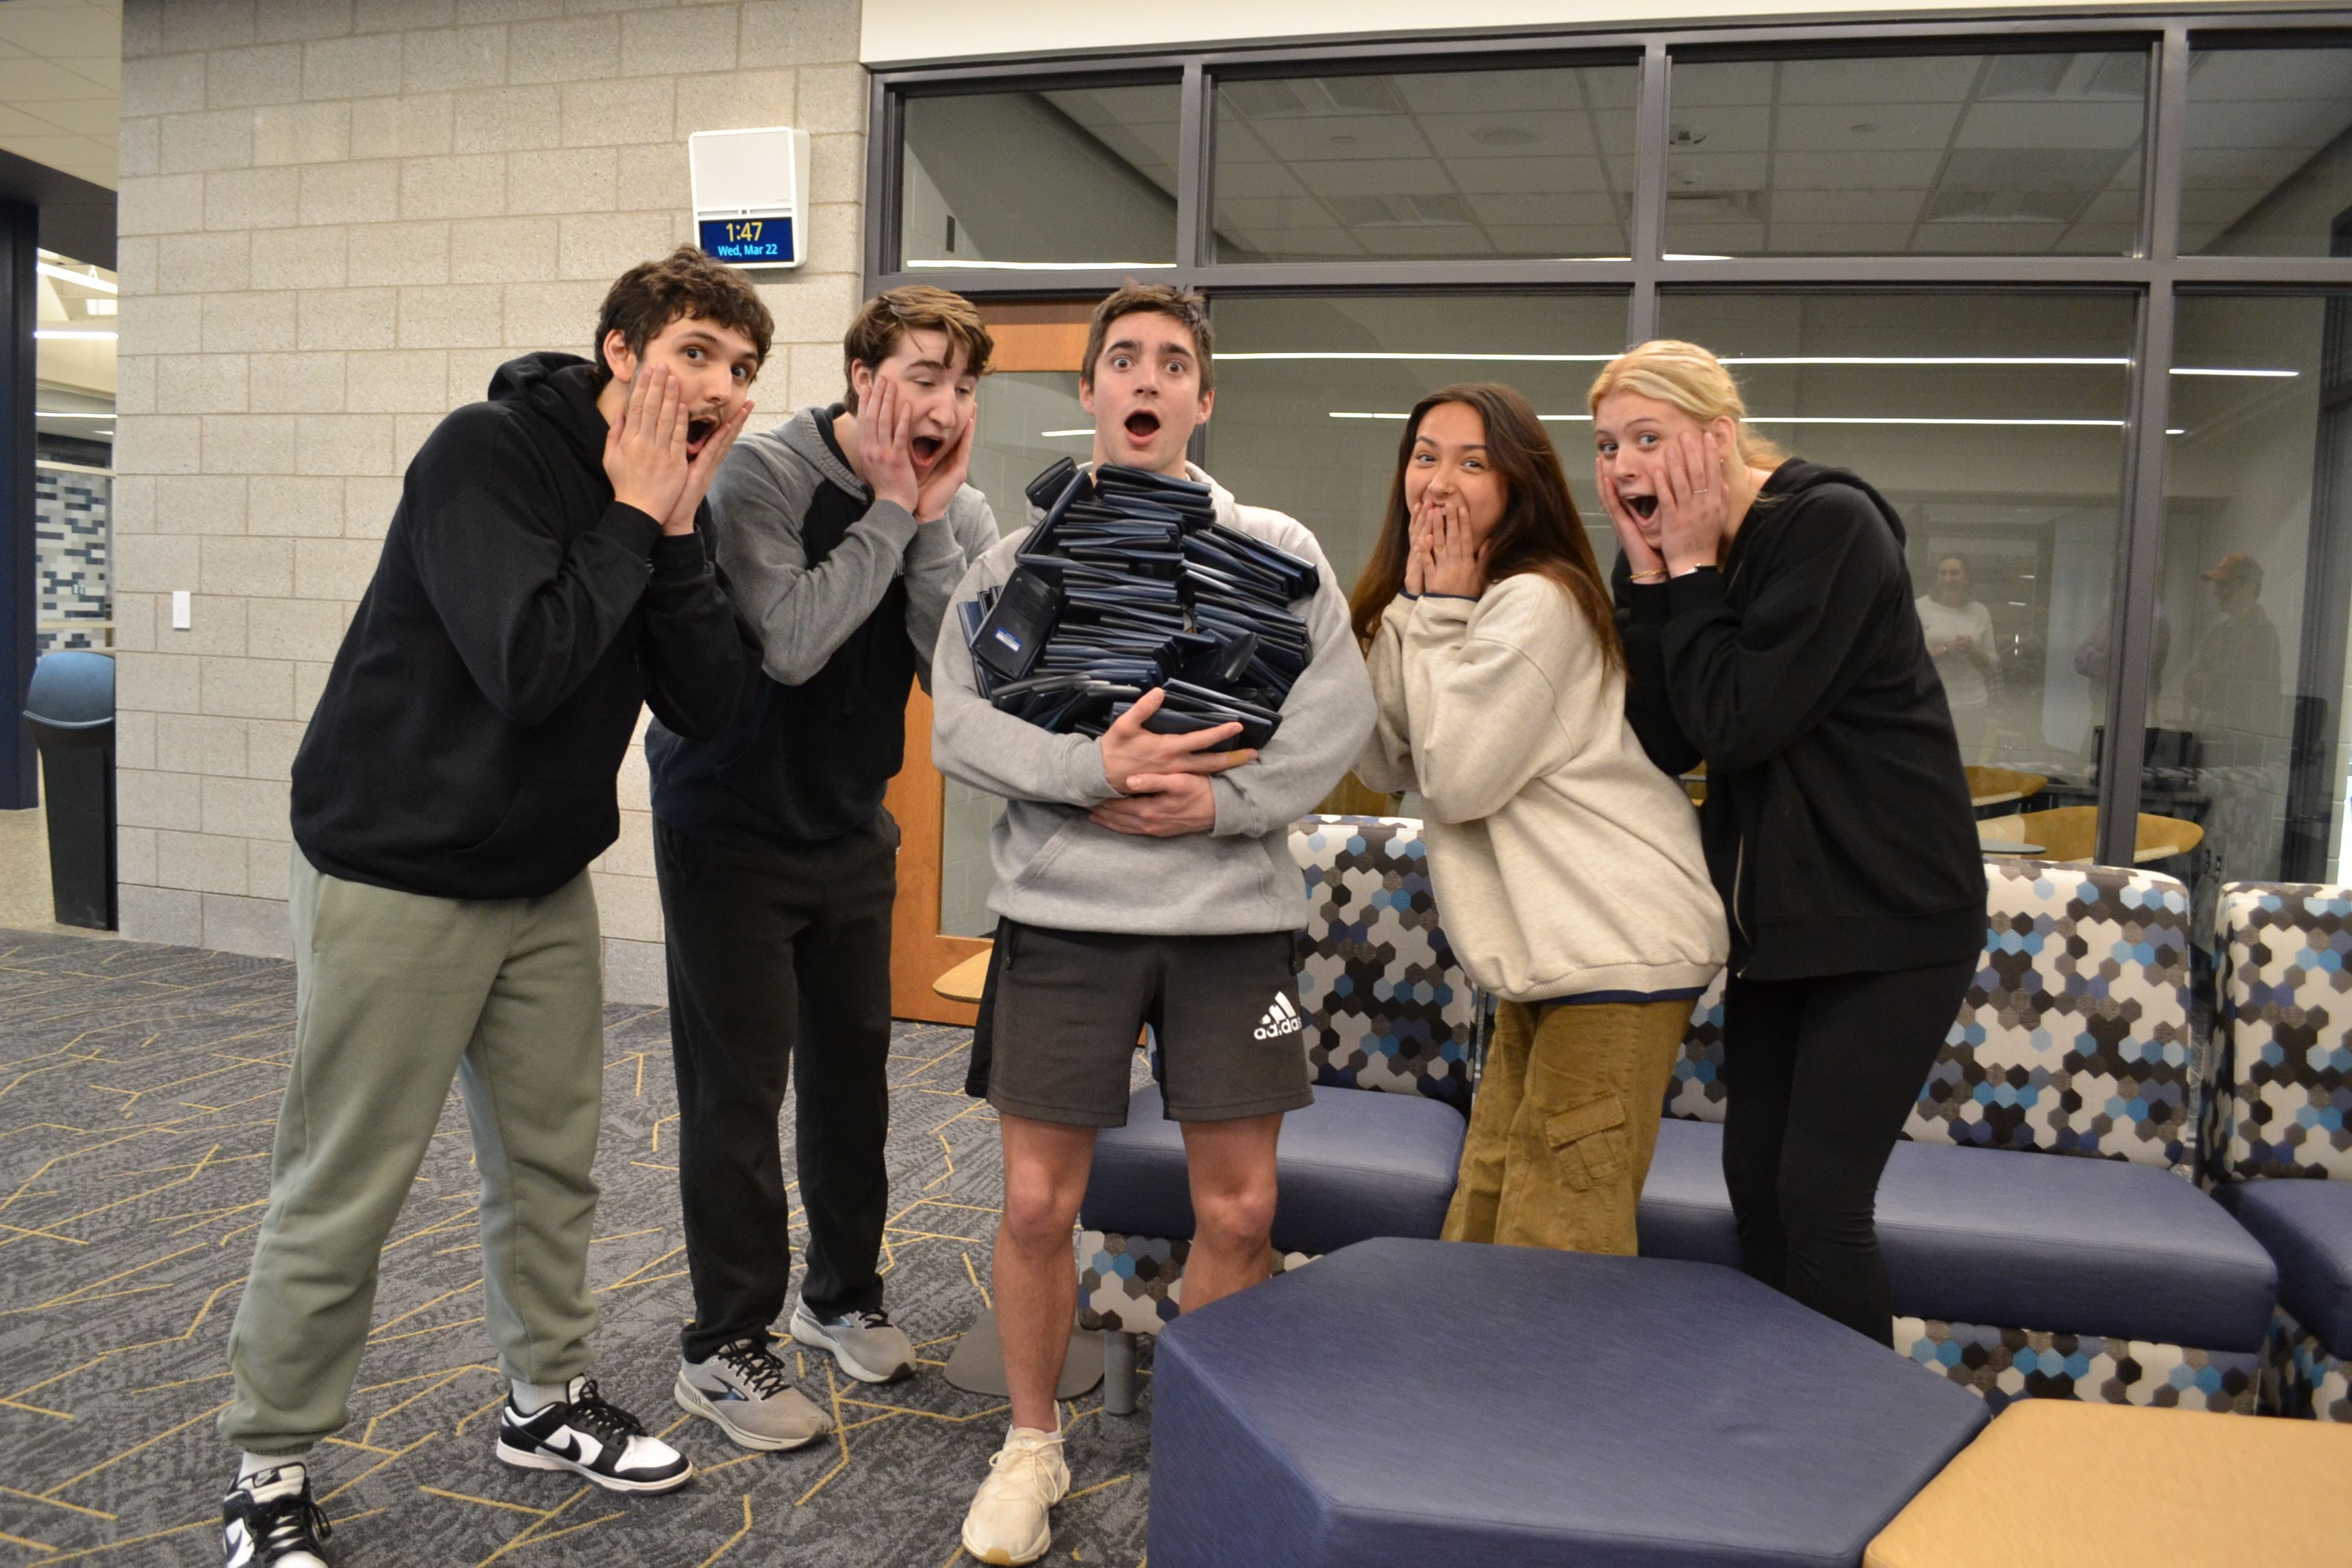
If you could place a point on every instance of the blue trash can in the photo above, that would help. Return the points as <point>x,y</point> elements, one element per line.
<point>70,709</point>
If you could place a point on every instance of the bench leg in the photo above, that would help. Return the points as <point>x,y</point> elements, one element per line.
<point>1118,1371</point>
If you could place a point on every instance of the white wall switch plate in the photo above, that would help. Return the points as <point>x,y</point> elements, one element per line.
<point>182,609</point>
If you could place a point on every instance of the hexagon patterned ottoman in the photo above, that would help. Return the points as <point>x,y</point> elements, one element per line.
<point>1407,1403</point>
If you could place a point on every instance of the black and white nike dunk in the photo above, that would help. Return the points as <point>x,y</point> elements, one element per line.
<point>592,1438</point>
<point>267,1519</point>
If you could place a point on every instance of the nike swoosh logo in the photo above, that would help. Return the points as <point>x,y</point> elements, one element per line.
<point>569,1451</point>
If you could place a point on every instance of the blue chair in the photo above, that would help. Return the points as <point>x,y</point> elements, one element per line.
<point>1387,1010</point>
<point>2043,1233</point>
<point>2283,1020</point>
<point>1403,1404</point>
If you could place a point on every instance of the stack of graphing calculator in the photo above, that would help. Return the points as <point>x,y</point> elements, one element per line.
<point>1130,582</point>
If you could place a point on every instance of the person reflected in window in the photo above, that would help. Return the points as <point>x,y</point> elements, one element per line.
<point>2232,692</point>
<point>1769,630</point>
<point>1566,867</point>
<point>1960,640</point>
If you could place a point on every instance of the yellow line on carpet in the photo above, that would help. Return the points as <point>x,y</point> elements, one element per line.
<point>728,1544</point>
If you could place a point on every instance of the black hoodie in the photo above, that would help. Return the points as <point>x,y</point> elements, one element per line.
<point>467,740</point>
<point>1837,821</point>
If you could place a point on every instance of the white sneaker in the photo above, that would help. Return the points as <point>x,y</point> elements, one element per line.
<point>592,1438</point>
<point>1009,1519</point>
<point>268,1520</point>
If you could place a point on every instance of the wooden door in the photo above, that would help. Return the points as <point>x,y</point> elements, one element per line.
<point>1030,336</point>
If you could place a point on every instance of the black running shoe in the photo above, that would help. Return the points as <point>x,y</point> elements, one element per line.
<point>586,1435</point>
<point>268,1517</point>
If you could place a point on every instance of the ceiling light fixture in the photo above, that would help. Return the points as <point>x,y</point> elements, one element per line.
<point>73,335</point>
<point>954,262</point>
<point>1335,355</point>
<point>1815,419</point>
<point>67,275</point>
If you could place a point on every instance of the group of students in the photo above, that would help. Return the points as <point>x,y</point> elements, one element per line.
<point>554,565</point>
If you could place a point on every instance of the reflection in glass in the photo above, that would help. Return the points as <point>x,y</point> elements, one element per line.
<point>1312,392</point>
<point>1034,180</point>
<point>2268,155</point>
<point>2255,579</point>
<point>1951,154</point>
<point>1455,163</point>
<point>1995,426</point>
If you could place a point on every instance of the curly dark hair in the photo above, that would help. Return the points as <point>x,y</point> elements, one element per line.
<point>684,283</point>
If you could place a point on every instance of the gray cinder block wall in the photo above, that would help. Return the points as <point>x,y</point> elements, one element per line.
<point>338,216</point>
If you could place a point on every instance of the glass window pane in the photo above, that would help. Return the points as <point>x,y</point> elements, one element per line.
<point>1312,392</point>
<point>1994,423</point>
<point>2246,711</point>
<point>2268,162</point>
<point>1425,165</point>
<point>1935,154</point>
<point>1015,180</point>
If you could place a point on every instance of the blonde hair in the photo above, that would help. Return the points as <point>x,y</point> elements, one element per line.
<point>1691,379</point>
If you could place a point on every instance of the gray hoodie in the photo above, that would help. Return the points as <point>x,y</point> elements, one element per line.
<point>1055,867</point>
<point>803,613</point>
<point>845,593</point>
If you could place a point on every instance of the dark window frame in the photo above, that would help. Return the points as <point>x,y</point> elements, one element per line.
<point>2157,275</point>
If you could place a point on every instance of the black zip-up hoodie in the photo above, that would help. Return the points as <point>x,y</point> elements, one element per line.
<point>467,742</point>
<point>1837,821</point>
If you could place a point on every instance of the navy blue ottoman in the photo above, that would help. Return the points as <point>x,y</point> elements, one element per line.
<point>1400,1404</point>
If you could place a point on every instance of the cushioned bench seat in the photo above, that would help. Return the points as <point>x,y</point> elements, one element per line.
<point>2051,1242</point>
<point>1404,1404</point>
<point>2307,1227</point>
<point>1352,1165</point>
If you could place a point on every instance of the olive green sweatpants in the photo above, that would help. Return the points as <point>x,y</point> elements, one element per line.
<point>395,994</point>
<point>1565,1123</point>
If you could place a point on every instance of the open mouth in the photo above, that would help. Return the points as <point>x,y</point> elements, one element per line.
<point>1643,507</point>
<point>927,449</point>
<point>1142,425</point>
<point>697,431</point>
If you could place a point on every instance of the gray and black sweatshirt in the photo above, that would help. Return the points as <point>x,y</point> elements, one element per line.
<point>1056,868</point>
<point>846,592</point>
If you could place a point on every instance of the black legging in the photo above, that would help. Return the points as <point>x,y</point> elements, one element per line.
<point>1822,1074</point>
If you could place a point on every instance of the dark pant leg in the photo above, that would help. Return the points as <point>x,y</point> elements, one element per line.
<point>1867,1044</point>
<point>1761,1024</point>
<point>842,1115</point>
<point>732,913</point>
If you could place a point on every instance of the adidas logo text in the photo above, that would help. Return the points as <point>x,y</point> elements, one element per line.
<point>1281,1018</point>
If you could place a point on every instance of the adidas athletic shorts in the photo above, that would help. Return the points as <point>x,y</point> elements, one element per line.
<point>1065,1008</point>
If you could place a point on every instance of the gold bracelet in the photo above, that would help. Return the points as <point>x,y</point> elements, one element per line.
<point>1656,577</point>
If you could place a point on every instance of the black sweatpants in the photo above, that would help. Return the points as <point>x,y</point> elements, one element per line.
<point>1822,1074</point>
<point>779,963</point>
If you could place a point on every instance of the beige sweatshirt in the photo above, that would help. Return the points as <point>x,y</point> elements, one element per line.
<point>1564,862</point>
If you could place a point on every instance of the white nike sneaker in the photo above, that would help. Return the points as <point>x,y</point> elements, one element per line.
<point>268,1520</point>
<point>1010,1520</point>
<point>592,1438</point>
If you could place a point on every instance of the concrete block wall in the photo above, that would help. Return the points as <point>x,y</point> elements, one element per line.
<point>338,218</point>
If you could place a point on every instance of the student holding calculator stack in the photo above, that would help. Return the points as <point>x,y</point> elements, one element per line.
<point>1142,864</point>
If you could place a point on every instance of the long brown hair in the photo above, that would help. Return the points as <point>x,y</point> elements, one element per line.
<point>1540,530</point>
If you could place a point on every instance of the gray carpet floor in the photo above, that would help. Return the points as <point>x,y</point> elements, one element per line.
<point>138,1088</point>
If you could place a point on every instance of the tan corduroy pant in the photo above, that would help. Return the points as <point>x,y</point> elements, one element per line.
<point>1565,1123</point>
